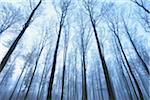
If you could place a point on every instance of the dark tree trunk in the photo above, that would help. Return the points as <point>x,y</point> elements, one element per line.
<point>106,72</point>
<point>55,59</point>
<point>64,69</point>
<point>84,85</point>
<point>53,66</point>
<point>64,9</point>
<point>144,64</point>
<point>130,69</point>
<point>63,81</point>
<point>141,5</point>
<point>13,46</point>
<point>119,57</point>
<point>33,74</point>
<point>24,67</point>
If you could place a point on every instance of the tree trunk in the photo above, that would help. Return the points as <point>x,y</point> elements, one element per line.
<point>106,73</point>
<point>55,59</point>
<point>13,46</point>
<point>143,63</point>
<point>33,74</point>
<point>84,85</point>
<point>137,85</point>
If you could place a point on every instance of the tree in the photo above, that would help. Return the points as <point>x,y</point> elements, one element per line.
<point>9,15</point>
<point>64,8</point>
<point>27,75</point>
<point>28,57</point>
<point>83,39</point>
<point>128,34</point>
<point>122,65</point>
<point>48,61</point>
<point>113,25</point>
<point>141,5</point>
<point>41,47</point>
<point>66,43</point>
<point>144,13</point>
<point>13,46</point>
<point>89,5</point>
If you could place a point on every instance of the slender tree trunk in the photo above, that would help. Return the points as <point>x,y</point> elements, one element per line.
<point>100,92</point>
<point>64,69</point>
<point>144,64</point>
<point>106,72</point>
<point>137,85</point>
<point>63,79</point>
<point>141,5</point>
<point>33,74</point>
<point>24,67</point>
<point>54,63</point>
<point>13,46</point>
<point>21,90</point>
<point>84,85</point>
<point>119,56</point>
<point>64,9</point>
<point>44,72</point>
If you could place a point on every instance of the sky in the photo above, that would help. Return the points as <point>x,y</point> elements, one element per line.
<point>48,14</point>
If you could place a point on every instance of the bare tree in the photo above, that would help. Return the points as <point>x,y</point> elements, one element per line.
<point>64,8</point>
<point>9,15</point>
<point>113,25</point>
<point>41,47</point>
<point>13,46</point>
<point>66,43</point>
<point>28,57</point>
<point>47,63</point>
<point>140,3</point>
<point>122,65</point>
<point>89,5</point>
<point>144,13</point>
<point>135,48</point>
<point>44,73</point>
<point>83,39</point>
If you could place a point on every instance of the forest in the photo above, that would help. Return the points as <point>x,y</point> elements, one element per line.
<point>74,49</point>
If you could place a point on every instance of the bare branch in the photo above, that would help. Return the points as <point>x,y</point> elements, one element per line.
<point>141,5</point>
